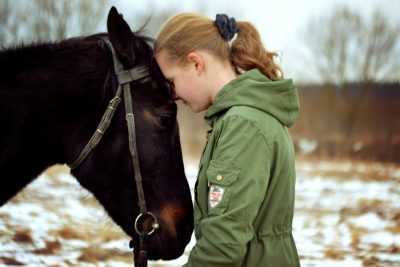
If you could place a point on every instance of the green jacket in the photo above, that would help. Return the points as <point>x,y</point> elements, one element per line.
<point>245,189</point>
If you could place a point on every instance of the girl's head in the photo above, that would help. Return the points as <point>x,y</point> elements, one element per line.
<point>188,41</point>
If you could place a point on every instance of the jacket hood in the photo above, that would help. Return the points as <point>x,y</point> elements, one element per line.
<point>252,88</point>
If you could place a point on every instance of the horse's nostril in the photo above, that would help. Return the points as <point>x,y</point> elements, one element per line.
<point>171,214</point>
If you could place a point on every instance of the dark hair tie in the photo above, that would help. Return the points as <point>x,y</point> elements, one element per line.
<point>226,26</point>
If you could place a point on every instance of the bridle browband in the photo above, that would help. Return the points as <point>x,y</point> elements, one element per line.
<point>125,77</point>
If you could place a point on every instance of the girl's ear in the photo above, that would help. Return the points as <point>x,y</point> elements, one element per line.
<point>196,59</point>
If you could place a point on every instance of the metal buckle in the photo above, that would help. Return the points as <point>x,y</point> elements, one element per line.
<point>141,218</point>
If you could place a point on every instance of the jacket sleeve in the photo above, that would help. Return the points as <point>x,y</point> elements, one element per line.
<point>240,165</point>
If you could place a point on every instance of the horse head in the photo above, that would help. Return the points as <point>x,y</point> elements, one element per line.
<point>108,172</point>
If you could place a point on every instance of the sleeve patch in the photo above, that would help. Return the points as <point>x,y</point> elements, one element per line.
<point>215,195</point>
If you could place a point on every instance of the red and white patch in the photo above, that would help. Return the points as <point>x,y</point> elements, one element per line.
<point>215,195</point>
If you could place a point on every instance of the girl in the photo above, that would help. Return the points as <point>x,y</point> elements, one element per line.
<point>244,194</point>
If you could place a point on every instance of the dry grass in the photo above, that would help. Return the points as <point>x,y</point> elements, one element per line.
<point>91,234</point>
<point>356,235</point>
<point>393,229</point>
<point>379,207</point>
<point>23,236</point>
<point>106,234</point>
<point>70,233</point>
<point>371,262</point>
<point>90,201</point>
<point>57,169</point>
<point>51,248</point>
<point>96,254</point>
<point>334,253</point>
<point>10,261</point>
<point>4,216</point>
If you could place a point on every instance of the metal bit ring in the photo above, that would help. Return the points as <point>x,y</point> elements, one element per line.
<point>154,226</point>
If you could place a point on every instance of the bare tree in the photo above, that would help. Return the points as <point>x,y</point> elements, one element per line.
<point>346,46</point>
<point>47,19</point>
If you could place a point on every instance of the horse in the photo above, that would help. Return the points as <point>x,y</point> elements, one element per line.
<point>52,97</point>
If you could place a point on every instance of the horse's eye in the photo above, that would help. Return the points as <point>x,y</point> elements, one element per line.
<point>167,120</point>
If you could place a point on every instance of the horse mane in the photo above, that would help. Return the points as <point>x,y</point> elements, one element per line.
<point>27,68</point>
<point>16,55</point>
<point>39,57</point>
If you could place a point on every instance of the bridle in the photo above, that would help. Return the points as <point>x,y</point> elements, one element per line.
<point>125,77</point>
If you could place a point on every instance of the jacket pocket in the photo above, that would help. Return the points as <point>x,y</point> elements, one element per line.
<point>221,178</point>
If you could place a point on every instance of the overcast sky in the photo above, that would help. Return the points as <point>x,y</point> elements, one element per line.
<point>280,22</point>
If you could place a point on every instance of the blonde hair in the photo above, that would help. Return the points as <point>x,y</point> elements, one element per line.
<point>186,32</point>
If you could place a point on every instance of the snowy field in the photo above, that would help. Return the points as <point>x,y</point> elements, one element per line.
<point>347,214</point>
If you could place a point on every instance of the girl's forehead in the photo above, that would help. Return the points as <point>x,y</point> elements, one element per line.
<point>164,57</point>
<point>169,67</point>
<point>164,62</point>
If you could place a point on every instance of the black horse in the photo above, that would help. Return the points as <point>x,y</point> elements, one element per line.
<point>53,95</point>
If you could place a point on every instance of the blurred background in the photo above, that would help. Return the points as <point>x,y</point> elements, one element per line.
<point>344,58</point>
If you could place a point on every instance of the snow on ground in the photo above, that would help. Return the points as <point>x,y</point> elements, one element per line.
<point>347,214</point>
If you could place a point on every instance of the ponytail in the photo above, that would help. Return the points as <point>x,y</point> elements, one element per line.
<point>248,52</point>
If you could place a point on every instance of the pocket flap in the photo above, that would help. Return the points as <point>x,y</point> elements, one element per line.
<point>221,173</point>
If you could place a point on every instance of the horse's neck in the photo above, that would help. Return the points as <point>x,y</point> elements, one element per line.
<point>43,101</point>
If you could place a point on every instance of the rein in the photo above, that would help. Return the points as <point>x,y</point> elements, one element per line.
<point>125,77</point>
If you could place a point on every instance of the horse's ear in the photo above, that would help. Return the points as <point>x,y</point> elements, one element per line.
<point>120,34</point>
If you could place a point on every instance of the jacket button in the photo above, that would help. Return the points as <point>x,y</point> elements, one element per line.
<point>219,177</point>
